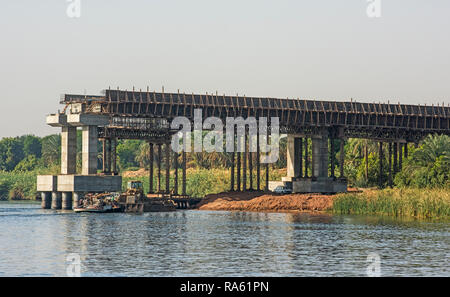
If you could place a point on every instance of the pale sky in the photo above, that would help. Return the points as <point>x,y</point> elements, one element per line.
<point>317,49</point>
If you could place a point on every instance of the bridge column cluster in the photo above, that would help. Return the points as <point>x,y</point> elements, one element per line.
<point>242,165</point>
<point>109,156</point>
<point>63,191</point>
<point>308,160</point>
<point>170,160</point>
<point>397,151</point>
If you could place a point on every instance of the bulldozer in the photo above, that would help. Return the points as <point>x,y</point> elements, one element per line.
<point>134,200</point>
<point>135,188</point>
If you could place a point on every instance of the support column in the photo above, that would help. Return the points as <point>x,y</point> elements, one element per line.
<point>175,165</point>
<point>238,174</point>
<point>184,173</point>
<point>150,169</point>
<point>320,156</point>
<point>66,200</point>
<point>301,157</point>
<point>406,150</point>
<point>114,157</point>
<point>68,150</point>
<point>400,156</point>
<point>267,168</point>
<point>56,200</point>
<point>293,156</point>
<point>167,168</point>
<point>313,157</point>
<point>390,164</point>
<point>75,200</point>
<point>159,168</point>
<point>244,161</point>
<point>332,156</point>
<point>104,157</point>
<point>342,157</point>
<point>267,174</point>
<point>108,163</point>
<point>250,168</point>
<point>381,157</point>
<point>258,164</point>
<point>46,200</point>
<point>306,158</point>
<point>366,161</point>
<point>89,150</point>
<point>395,157</point>
<point>232,171</point>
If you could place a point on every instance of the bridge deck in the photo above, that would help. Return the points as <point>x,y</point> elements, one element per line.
<point>365,120</point>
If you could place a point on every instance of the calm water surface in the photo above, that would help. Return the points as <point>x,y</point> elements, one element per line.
<point>36,242</point>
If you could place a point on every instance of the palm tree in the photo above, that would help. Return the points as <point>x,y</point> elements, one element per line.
<point>433,147</point>
<point>51,148</point>
<point>361,148</point>
<point>143,155</point>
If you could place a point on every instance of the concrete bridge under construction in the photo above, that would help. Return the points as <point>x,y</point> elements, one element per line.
<point>145,115</point>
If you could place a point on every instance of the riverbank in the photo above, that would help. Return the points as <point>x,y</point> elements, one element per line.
<point>266,202</point>
<point>418,203</point>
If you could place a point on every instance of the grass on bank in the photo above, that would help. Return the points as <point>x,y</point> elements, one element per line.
<point>20,185</point>
<point>419,203</point>
<point>17,186</point>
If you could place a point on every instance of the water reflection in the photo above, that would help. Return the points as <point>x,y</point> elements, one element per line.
<point>193,243</point>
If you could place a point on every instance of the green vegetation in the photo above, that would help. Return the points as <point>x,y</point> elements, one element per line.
<point>427,166</point>
<point>201,182</point>
<point>424,203</point>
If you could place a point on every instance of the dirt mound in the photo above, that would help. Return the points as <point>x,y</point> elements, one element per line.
<point>137,173</point>
<point>260,201</point>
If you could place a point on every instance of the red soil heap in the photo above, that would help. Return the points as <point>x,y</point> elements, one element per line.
<point>260,201</point>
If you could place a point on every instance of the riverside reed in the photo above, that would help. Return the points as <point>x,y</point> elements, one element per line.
<point>419,203</point>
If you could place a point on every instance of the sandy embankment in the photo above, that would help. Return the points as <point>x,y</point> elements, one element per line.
<point>266,202</point>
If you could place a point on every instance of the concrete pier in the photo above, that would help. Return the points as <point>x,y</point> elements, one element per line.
<point>46,200</point>
<point>89,150</point>
<point>66,200</point>
<point>56,200</point>
<point>320,181</point>
<point>76,199</point>
<point>65,188</point>
<point>68,150</point>
<point>320,156</point>
<point>293,156</point>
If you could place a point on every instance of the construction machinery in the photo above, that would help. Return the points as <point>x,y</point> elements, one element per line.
<point>134,200</point>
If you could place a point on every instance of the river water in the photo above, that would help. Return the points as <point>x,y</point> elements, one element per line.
<point>36,242</point>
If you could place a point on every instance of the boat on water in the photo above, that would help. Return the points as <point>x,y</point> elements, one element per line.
<point>99,203</point>
<point>131,201</point>
<point>98,209</point>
